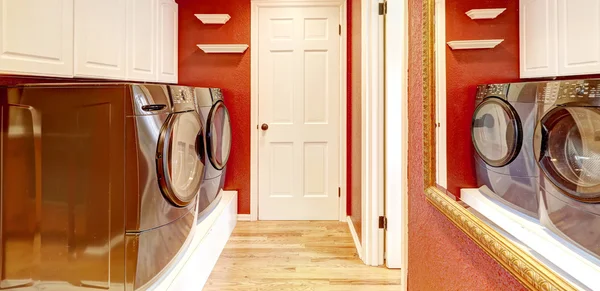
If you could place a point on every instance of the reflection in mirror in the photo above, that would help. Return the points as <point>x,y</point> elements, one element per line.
<point>512,132</point>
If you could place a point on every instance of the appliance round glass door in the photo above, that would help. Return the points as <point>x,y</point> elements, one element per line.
<point>570,151</point>
<point>180,158</point>
<point>218,135</point>
<point>496,132</point>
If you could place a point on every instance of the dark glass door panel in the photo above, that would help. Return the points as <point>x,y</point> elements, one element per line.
<point>218,136</point>
<point>570,151</point>
<point>180,158</point>
<point>496,132</point>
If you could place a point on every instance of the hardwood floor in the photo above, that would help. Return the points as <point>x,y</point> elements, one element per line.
<point>311,256</point>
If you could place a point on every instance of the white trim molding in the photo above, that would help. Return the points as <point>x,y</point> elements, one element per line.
<point>244,217</point>
<point>213,18</point>
<point>440,91</point>
<point>255,6</point>
<point>343,180</point>
<point>372,131</point>
<point>396,125</point>
<point>354,236</point>
<point>223,48</point>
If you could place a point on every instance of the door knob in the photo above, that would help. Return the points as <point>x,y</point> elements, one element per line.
<point>264,126</point>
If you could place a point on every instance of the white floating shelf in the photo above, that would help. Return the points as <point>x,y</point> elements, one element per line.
<point>213,18</point>
<point>474,44</point>
<point>485,13</point>
<point>223,48</point>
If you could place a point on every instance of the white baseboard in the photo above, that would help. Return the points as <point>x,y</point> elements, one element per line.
<point>244,217</point>
<point>210,236</point>
<point>355,237</point>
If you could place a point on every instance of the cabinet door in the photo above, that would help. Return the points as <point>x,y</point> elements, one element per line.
<point>578,37</point>
<point>538,38</point>
<point>141,40</point>
<point>167,41</point>
<point>100,35</point>
<point>36,37</point>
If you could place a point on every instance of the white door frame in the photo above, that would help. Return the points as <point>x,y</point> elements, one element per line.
<point>441,176</point>
<point>372,138</point>
<point>385,142</point>
<point>396,132</point>
<point>256,4</point>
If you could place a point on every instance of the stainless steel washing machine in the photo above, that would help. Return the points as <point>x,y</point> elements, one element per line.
<point>99,183</point>
<point>217,135</point>
<point>567,149</point>
<point>502,135</point>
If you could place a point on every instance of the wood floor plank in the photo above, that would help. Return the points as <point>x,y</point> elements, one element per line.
<point>294,255</point>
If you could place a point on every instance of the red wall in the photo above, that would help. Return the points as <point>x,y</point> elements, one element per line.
<point>231,72</point>
<point>354,185</point>
<point>465,69</point>
<point>440,256</point>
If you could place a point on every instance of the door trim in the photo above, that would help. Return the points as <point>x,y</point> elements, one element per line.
<point>396,141</point>
<point>440,93</point>
<point>255,5</point>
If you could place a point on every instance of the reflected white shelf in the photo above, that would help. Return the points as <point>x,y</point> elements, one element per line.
<point>213,18</point>
<point>223,48</point>
<point>474,44</point>
<point>485,13</point>
<point>535,239</point>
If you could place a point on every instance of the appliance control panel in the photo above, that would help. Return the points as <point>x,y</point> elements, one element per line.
<point>586,91</point>
<point>498,90</point>
<point>182,98</point>
<point>182,95</point>
<point>216,94</point>
<point>548,92</point>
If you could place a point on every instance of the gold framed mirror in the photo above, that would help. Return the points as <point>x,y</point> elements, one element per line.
<point>531,272</point>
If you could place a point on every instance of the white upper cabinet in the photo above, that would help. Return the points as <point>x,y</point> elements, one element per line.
<point>100,38</point>
<point>578,37</point>
<point>538,38</point>
<point>559,37</point>
<point>132,40</point>
<point>36,37</point>
<point>142,40</point>
<point>167,41</point>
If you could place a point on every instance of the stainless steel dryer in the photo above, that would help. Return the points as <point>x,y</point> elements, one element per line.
<point>217,135</point>
<point>567,149</point>
<point>502,134</point>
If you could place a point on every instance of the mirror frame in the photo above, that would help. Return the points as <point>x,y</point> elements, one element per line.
<point>533,274</point>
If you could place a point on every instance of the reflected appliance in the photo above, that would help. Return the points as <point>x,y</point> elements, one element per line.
<point>217,136</point>
<point>567,149</point>
<point>502,134</point>
<point>99,184</point>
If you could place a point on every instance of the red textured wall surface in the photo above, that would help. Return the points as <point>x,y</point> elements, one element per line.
<point>465,69</point>
<point>231,72</point>
<point>354,116</point>
<point>440,256</point>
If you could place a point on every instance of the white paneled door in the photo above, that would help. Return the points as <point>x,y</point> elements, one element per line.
<point>299,114</point>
